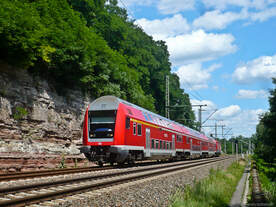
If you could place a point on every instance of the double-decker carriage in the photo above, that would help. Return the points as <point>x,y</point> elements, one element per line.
<point>115,130</point>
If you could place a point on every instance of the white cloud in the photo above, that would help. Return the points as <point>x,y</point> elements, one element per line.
<point>218,20</point>
<point>193,77</point>
<point>228,112</point>
<point>175,6</point>
<point>199,46</point>
<point>251,94</point>
<point>263,15</point>
<point>242,122</point>
<point>168,27</point>
<point>210,108</point>
<point>223,4</point>
<point>135,2</point>
<point>210,104</point>
<point>259,69</point>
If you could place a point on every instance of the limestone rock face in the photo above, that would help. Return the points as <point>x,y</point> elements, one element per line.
<point>34,118</point>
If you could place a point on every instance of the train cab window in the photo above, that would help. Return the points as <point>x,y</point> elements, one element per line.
<point>152,143</point>
<point>156,144</point>
<point>102,124</point>
<point>134,128</point>
<point>127,123</point>
<point>139,129</point>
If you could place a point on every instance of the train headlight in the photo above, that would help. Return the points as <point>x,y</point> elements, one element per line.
<point>92,135</point>
<point>110,135</point>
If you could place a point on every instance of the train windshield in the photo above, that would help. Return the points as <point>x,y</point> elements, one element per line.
<point>102,124</point>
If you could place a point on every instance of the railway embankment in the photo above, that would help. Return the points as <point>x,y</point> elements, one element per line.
<point>216,190</point>
<point>262,184</point>
<point>36,122</point>
<point>151,191</point>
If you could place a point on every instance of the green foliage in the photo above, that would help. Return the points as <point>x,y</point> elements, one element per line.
<point>20,113</point>
<point>267,176</point>
<point>62,163</point>
<point>75,162</point>
<point>244,141</point>
<point>216,190</point>
<point>265,138</point>
<point>91,45</point>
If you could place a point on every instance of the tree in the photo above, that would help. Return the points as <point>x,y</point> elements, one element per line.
<point>92,45</point>
<point>266,131</point>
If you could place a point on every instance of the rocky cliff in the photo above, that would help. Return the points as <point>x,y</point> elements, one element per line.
<point>34,119</point>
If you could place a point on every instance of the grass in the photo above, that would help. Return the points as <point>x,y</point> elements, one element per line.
<point>267,177</point>
<point>215,190</point>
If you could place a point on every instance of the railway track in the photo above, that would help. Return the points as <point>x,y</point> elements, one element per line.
<point>54,172</point>
<point>23,195</point>
<point>32,174</point>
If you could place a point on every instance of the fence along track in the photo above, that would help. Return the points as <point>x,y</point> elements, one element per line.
<point>107,180</point>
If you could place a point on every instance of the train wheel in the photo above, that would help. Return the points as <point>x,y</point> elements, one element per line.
<point>100,163</point>
<point>131,162</point>
<point>121,164</point>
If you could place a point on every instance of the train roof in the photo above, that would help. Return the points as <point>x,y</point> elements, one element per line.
<point>134,111</point>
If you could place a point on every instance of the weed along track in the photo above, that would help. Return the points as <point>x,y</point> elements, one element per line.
<point>22,195</point>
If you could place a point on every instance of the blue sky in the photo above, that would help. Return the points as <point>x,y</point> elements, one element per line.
<point>223,51</point>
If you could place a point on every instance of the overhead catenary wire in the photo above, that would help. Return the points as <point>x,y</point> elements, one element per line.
<point>131,13</point>
<point>196,95</point>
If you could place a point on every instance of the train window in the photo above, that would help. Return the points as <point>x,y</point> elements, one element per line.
<point>188,140</point>
<point>152,143</point>
<point>161,144</point>
<point>168,145</point>
<point>164,145</point>
<point>127,123</point>
<point>139,129</point>
<point>134,128</point>
<point>99,117</point>
<point>179,138</point>
<point>156,144</point>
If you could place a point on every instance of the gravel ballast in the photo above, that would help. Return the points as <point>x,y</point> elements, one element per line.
<point>147,192</point>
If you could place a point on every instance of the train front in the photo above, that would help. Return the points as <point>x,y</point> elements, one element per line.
<point>101,126</point>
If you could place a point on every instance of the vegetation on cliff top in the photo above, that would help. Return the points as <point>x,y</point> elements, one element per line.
<point>90,44</point>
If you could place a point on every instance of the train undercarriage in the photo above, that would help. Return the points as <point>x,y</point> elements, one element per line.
<point>111,154</point>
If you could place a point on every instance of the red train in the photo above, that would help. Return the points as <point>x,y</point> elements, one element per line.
<point>115,130</point>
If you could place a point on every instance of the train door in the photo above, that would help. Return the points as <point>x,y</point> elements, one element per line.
<point>147,142</point>
<point>173,145</point>
<point>191,147</point>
